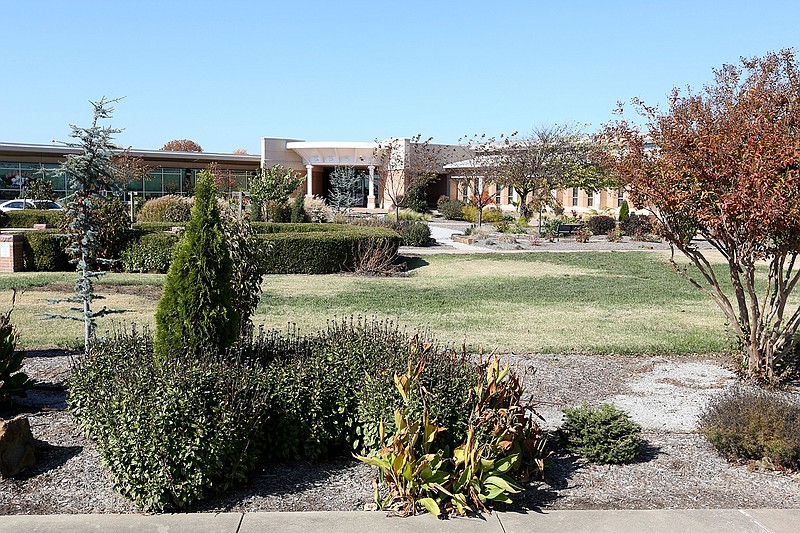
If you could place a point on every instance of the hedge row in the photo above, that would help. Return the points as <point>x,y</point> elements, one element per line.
<point>26,218</point>
<point>45,251</point>
<point>287,248</point>
<point>320,252</point>
<point>305,227</point>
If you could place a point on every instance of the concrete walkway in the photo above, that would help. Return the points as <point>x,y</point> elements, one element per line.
<point>654,521</point>
<point>441,235</point>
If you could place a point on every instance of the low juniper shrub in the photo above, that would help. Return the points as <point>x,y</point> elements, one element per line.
<point>606,435</point>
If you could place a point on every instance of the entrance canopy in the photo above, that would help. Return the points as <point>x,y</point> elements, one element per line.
<point>336,153</point>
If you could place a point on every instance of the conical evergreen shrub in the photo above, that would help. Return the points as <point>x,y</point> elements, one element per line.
<point>196,310</point>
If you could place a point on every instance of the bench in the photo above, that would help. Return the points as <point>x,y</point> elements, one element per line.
<point>567,229</point>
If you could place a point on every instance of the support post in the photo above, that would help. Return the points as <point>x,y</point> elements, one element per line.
<point>371,196</point>
<point>309,179</point>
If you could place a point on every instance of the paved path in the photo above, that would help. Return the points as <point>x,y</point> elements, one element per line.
<point>655,521</point>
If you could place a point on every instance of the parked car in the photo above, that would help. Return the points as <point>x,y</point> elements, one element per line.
<point>15,205</point>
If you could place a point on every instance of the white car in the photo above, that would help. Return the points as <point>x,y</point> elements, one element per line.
<point>15,205</point>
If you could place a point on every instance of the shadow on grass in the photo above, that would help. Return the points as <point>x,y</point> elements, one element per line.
<point>413,263</point>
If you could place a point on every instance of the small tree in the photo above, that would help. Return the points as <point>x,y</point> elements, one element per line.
<point>479,170</point>
<point>273,184</point>
<point>407,167</point>
<point>196,310</point>
<point>40,189</point>
<point>345,188</point>
<point>725,164</point>
<point>90,172</point>
<point>298,208</point>
<point>182,145</point>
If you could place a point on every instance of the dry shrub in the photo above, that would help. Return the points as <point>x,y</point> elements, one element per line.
<point>753,424</point>
<point>375,257</point>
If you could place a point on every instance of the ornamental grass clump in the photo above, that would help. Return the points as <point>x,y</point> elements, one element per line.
<point>606,435</point>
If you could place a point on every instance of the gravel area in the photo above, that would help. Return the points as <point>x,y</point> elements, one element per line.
<point>678,468</point>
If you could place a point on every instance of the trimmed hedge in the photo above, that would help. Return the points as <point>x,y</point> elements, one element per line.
<point>288,227</point>
<point>158,226</point>
<point>26,218</point>
<point>152,252</point>
<point>45,251</point>
<point>287,248</point>
<point>319,252</point>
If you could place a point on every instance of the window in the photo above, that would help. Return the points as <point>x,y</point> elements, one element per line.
<point>620,197</point>
<point>589,198</point>
<point>498,192</point>
<point>574,196</point>
<point>465,193</point>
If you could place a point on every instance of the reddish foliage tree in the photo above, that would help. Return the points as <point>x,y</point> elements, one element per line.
<point>182,145</point>
<point>224,178</point>
<point>724,164</point>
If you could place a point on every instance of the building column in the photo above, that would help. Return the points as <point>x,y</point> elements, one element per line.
<point>371,196</point>
<point>309,178</point>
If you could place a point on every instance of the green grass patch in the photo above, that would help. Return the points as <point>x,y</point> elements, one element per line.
<point>600,302</point>
<point>537,302</point>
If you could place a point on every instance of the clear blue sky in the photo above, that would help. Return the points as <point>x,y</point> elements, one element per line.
<point>227,73</point>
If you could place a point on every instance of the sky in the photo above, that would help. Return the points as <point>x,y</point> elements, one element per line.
<point>225,74</point>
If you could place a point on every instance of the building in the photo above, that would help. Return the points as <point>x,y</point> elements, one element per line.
<point>382,167</point>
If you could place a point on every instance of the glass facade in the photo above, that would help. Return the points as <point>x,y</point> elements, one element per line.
<point>159,181</point>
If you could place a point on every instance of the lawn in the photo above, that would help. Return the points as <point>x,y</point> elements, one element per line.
<point>601,302</point>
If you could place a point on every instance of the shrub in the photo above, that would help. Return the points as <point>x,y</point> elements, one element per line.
<point>169,208</point>
<point>624,211</point>
<point>636,226</point>
<point>152,252</point>
<point>332,389</point>
<point>450,209</point>
<point>171,429</point>
<point>45,251</point>
<point>26,218</point>
<point>317,252</point>
<point>417,198</point>
<point>280,212</point>
<point>753,424</point>
<point>195,311</point>
<point>606,435</point>
<point>317,210</point>
<point>502,226</point>
<point>615,235</point>
<point>491,215</point>
<point>13,382</point>
<point>114,222</point>
<point>601,224</point>
<point>469,213</point>
<point>298,209</point>
<point>583,234</point>
<point>414,233</point>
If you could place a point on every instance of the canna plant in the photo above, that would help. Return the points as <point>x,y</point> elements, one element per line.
<point>13,382</point>
<point>502,446</point>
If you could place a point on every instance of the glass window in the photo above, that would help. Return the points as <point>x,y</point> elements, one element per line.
<point>620,197</point>
<point>498,192</point>
<point>589,198</point>
<point>574,196</point>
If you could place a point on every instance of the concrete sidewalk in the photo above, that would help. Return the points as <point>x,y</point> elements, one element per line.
<point>656,521</point>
